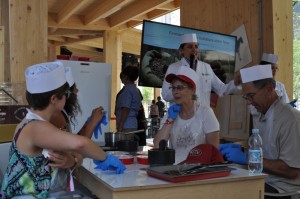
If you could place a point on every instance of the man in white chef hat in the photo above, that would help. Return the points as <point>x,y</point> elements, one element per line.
<point>208,81</point>
<point>273,60</point>
<point>279,128</point>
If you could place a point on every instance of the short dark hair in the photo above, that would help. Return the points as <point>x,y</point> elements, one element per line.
<point>39,101</point>
<point>263,82</point>
<point>264,63</point>
<point>132,72</point>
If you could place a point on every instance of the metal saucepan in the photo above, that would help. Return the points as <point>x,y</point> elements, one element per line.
<point>111,138</point>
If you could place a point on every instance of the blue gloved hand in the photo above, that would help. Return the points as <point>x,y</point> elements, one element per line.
<point>228,145</point>
<point>293,102</point>
<point>98,126</point>
<point>111,163</point>
<point>235,154</point>
<point>173,111</point>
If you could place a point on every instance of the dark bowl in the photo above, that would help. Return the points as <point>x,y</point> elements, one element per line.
<point>127,145</point>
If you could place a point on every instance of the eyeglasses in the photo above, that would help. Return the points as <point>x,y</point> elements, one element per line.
<point>250,96</point>
<point>67,93</point>
<point>179,87</point>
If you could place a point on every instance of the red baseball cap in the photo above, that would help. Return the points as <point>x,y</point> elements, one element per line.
<point>204,154</point>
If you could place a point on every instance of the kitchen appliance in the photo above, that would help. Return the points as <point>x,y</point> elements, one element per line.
<point>161,156</point>
<point>93,81</point>
<point>111,138</point>
<point>127,145</point>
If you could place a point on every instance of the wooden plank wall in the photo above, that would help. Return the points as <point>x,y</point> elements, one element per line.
<point>28,33</point>
<point>224,17</point>
<point>4,12</point>
<point>277,38</point>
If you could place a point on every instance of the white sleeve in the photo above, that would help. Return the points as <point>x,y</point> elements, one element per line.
<point>166,92</point>
<point>223,89</point>
<point>285,97</point>
<point>210,123</point>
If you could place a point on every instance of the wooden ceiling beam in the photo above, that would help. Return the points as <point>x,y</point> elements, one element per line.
<point>75,32</point>
<point>171,6</point>
<point>82,38</point>
<point>76,22</point>
<point>156,13</point>
<point>73,36</point>
<point>133,10</point>
<point>57,38</point>
<point>133,23</point>
<point>102,10</point>
<point>70,7</point>
<point>96,43</point>
<point>82,47</point>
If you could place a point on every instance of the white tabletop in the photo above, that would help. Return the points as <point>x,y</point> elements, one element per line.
<point>135,176</point>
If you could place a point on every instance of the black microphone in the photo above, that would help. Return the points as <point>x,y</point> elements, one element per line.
<point>192,58</point>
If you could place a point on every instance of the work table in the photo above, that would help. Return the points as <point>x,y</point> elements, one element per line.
<point>135,183</point>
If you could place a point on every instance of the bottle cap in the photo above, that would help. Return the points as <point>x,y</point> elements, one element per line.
<point>255,130</point>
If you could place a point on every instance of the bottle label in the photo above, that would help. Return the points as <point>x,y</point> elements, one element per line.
<point>255,156</point>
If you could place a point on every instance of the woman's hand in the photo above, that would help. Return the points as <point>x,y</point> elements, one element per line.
<point>62,160</point>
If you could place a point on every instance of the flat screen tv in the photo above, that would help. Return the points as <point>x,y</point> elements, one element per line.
<point>160,48</point>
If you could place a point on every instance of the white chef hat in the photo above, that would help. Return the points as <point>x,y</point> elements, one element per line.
<point>44,77</point>
<point>188,38</point>
<point>271,58</point>
<point>69,76</point>
<point>184,73</point>
<point>256,72</point>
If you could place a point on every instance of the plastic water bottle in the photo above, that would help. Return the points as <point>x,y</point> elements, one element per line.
<point>255,153</point>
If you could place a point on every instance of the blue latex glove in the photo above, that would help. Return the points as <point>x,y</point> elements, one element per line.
<point>173,111</point>
<point>98,126</point>
<point>235,154</point>
<point>293,102</point>
<point>228,145</point>
<point>111,163</point>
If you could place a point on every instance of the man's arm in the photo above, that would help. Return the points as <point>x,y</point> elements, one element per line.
<point>280,168</point>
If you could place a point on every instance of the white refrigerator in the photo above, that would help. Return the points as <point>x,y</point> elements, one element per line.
<point>93,81</point>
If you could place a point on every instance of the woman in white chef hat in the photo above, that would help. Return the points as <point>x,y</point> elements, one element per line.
<point>28,173</point>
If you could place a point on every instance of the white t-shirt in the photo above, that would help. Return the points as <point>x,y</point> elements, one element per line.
<point>186,134</point>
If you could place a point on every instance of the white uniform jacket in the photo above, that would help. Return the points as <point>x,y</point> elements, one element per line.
<point>208,82</point>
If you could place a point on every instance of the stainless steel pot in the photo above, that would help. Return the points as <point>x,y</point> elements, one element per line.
<point>111,138</point>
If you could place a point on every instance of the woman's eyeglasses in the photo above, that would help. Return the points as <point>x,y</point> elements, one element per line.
<point>179,87</point>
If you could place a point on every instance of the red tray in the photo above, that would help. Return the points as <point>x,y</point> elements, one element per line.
<point>161,172</point>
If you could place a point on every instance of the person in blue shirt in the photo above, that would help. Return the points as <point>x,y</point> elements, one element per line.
<point>128,101</point>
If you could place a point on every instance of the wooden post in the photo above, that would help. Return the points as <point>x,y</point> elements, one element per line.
<point>28,35</point>
<point>113,55</point>
<point>1,53</point>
